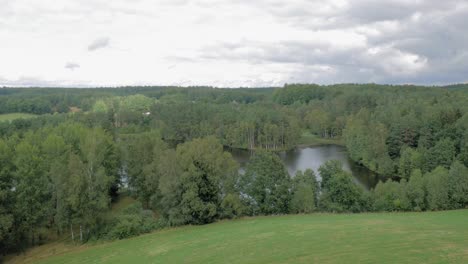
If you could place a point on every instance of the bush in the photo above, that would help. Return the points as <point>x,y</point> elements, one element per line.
<point>132,221</point>
<point>232,207</point>
<point>391,196</point>
<point>343,195</point>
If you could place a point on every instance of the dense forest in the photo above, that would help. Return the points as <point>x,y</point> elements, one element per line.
<point>61,171</point>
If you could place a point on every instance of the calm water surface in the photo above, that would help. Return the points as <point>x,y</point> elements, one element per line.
<point>312,158</point>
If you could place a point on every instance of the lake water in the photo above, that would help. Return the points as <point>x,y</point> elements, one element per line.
<point>312,158</point>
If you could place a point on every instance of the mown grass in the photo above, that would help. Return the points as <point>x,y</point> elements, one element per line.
<point>308,139</point>
<point>13,116</point>
<point>431,237</point>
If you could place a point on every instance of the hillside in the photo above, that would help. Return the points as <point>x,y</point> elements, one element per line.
<point>432,237</point>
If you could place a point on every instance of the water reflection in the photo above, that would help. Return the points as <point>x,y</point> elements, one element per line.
<point>313,158</point>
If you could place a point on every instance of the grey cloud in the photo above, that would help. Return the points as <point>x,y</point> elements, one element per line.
<point>71,65</point>
<point>99,44</point>
<point>420,42</point>
<point>417,41</point>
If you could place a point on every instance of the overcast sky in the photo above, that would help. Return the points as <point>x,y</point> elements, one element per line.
<point>232,43</point>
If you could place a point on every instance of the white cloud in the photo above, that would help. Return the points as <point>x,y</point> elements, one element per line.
<point>232,43</point>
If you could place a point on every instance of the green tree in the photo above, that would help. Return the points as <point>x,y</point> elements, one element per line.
<point>366,142</point>
<point>391,196</point>
<point>415,191</point>
<point>141,156</point>
<point>232,206</point>
<point>442,154</point>
<point>319,122</point>
<point>304,192</point>
<point>266,184</point>
<point>327,170</point>
<point>343,195</point>
<point>204,167</point>
<point>463,155</point>
<point>56,153</point>
<point>458,185</point>
<point>7,217</point>
<point>89,196</point>
<point>437,189</point>
<point>32,189</point>
<point>410,159</point>
<point>169,188</point>
<point>100,107</point>
<point>137,102</point>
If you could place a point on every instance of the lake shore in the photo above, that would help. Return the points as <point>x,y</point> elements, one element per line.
<point>310,140</point>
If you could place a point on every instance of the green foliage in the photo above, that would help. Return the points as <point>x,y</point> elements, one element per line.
<point>305,192</point>
<point>366,142</point>
<point>327,170</point>
<point>458,185</point>
<point>137,102</point>
<point>298,93</point>
<point>100,106</point>
<point>265,184</point>
<point>437,188</point>
<point>7,232</point>
<point>343,195</point>
<point>31,190</point>
<point>61,171</point>
<point>204,167</point>
<point>318,121</point>
<point>391,196</point>
<point>410,159</point>
<point>415,191</point>
<point>131,221</point>
<point>142,154</point>
<point>13,116</point>
<point>442,154</point>
<point>232,206</point>
<point>56,176</point>
<point>200,179</point>
<point>463,155</point>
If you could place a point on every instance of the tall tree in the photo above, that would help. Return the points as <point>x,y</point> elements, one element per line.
<point>7,199</point>
<point>327,170</point>
<point>305,191</point>
<point>203,168</point>
<point>266,184</point>
<point>32,189</point>
<point>458,185</point>
<point>410,159</point>
<point>437,188</point>
<point>391,196</point>
<point>343,195</point>
<point>442,154</point>
<point>415,191</point>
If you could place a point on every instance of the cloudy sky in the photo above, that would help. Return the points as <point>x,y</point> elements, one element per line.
<point>231,43</point>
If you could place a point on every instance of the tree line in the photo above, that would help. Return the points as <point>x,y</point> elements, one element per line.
<point>64,179</point>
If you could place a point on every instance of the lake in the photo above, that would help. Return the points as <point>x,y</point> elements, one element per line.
<point>313,158</point>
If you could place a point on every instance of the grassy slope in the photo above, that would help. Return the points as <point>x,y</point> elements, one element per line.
<point>433,237</point>
<point>12,116</point>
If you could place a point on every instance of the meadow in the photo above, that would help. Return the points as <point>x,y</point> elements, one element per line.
<point>429,237</point>
<point>13,116</point>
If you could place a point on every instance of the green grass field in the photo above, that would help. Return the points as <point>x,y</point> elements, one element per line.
<point>432,237</point>
<point>308,139</point>
<point>13,116</point>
